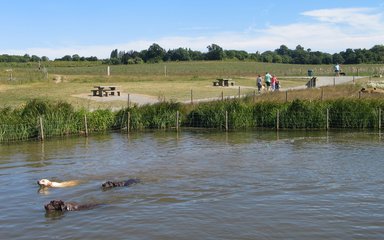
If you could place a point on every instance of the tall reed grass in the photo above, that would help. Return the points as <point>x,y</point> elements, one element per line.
<point>61,119</point>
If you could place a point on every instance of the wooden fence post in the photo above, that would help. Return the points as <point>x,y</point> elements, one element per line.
<point>128,121</point>
<point>327,119</point>
<point>41,129</point>
<point>277,119</point>
<point>177,120</point>
<point>222,95</point>
<point>226,121</point>
<point>129,101</point>
<point>322,94</point>
<point>191,96</point>
<point>379,119</point>
<point>86,125</point>
<point>286,95</point>
<point>239,92</point>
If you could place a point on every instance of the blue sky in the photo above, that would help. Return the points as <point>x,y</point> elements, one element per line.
<point>55,28</point>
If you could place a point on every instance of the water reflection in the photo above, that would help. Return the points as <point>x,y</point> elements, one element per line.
<point>199,184</point>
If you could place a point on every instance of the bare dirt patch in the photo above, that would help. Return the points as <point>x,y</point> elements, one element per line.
<point>139,99</point>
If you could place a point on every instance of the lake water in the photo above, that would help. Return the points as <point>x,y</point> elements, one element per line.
<point>199,185</point>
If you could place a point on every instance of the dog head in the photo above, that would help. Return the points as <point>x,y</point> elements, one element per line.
<point>55,205</point>
<point>44,183</point>
<point>108,184</point>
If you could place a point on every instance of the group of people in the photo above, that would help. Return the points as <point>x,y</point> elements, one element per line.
<point>271,83</point>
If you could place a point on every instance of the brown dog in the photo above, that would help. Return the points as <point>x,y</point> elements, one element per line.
<point>127,183</point>
<point>59,205</point>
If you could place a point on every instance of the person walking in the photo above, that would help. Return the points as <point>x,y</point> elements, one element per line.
<point>267,79</point>
<point>337,70</point>
<point>277,85</point>
<point>259,83</point>
<point>273,82</point>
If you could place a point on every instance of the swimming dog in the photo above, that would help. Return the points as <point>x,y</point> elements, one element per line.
<point>47,183</point>
<point>127,183</point>
<point>59,205</point>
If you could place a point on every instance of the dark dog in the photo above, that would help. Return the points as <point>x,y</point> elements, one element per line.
<point>112,184</point>
<point>59,205</point>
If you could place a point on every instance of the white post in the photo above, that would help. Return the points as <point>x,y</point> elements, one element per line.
<point>108,71</point>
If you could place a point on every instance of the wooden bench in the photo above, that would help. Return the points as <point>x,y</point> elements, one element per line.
<point>105,91</point>
<point>223,82</point>
<point>96,92</point>
<point>111,93</point>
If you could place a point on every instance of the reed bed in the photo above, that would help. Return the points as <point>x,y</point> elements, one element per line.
<point>55,119</point>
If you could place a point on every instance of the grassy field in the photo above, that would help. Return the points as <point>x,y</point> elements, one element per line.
<point>175,81</point>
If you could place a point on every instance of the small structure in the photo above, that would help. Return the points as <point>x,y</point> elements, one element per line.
<point>224,82</point>
<point>105,91</point>
<point>311,83</point>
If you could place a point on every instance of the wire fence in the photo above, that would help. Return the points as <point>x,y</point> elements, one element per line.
<point>225,120</point>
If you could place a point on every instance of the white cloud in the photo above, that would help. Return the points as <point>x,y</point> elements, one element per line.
<point>357,18</point>
<point>331,30</point>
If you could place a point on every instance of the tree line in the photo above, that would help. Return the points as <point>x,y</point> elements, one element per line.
<point>283,54</point>
<point>27,58</point>
<point>155,53</point>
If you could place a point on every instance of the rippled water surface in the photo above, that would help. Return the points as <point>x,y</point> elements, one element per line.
<point>199,185</point>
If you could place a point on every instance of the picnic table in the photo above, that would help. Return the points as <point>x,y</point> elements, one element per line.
<point>224,82</point>
<point>105,91</point>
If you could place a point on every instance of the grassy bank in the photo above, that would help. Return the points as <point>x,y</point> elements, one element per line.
<point>40,118</point>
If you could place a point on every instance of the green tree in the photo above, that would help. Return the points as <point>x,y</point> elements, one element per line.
<point>349,56</point>
<point>180,54</point>
<point>35,58</point>
<point>378,53</point>
<point>337,58</point>
<point>75,57</point>
<point>155,53</point>
<point>267,56</point>
<point>215,52</point>
<point>300,56</point>
<point>283,50</point>
<point>114,54</point>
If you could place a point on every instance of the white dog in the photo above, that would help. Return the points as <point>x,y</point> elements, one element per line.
<point>47,183</point>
